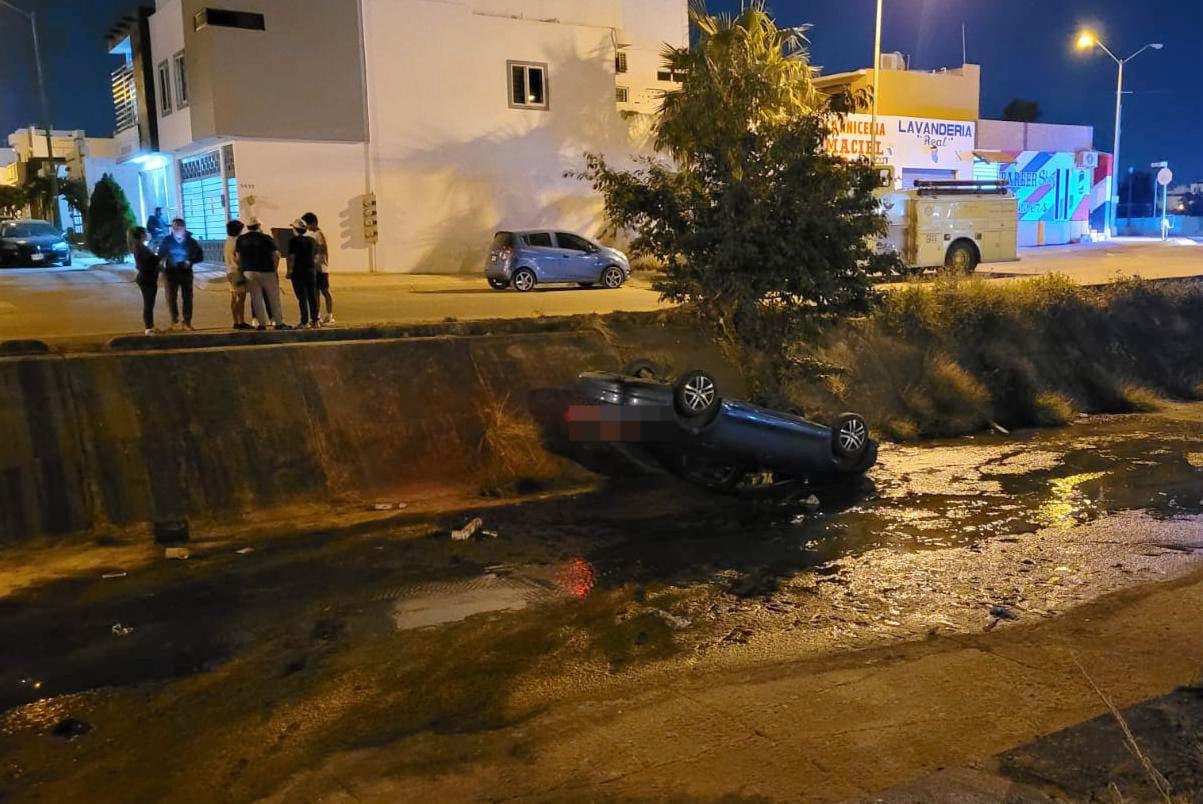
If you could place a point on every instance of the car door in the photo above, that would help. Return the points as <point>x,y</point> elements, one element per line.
<point>548,262</point>
<point>581,257</point>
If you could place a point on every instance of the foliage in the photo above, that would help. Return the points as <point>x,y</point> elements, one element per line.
<point>75,192</point>
<point>12,200</point>
<point>109,220</point>
<point>1021,110</point>
<point>757,228</point>
<point>946,359</point>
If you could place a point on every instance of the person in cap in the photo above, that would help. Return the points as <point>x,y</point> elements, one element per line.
<point>179,251</point>
<point>259,260</point>
<point>302,270</point>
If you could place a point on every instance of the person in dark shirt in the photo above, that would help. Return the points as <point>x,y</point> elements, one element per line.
<point>156,226</point>
<point>302,270</point>
<point>258,259</point>
<point>179,251</point>
<point>147,279</point>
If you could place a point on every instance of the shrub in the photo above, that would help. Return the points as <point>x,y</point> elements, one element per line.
<point>1051,409</point>
<point>109,220</point>
<point>511,458</point>
<point>1141,399</point>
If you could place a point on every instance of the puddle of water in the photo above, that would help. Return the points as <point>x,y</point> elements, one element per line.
<point>451,603</point>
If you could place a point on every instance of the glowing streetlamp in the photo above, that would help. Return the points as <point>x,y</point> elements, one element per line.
<point>1087,40</point>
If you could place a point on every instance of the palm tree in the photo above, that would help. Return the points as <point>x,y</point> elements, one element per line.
<point>742,75</point>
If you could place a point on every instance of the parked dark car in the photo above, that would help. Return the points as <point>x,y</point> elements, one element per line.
<point>711,440</point>
<point>32,243</point>
<point>524,260</point>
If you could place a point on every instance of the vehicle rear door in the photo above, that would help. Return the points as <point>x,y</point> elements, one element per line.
<point>580,257</point>
<point>540,249</point>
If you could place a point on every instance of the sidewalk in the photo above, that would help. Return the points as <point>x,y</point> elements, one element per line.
<point>1098,263</point>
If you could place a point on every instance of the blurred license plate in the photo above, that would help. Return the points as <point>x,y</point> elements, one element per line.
<point>38,257</point>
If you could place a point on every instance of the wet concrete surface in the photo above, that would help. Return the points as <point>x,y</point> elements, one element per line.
<point>231,672</point>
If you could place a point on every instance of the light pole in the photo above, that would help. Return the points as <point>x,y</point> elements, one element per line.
<point>1087,40</point>
<point>876,85</point>
<point>37,58</point>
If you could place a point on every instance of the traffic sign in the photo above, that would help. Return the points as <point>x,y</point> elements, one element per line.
<point>1165,176</point>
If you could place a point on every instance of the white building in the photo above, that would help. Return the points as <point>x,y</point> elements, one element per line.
<point>75,156</point>
<point>460,117</point>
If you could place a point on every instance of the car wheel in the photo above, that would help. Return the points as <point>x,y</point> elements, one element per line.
<point>498,284</point>
<point>523,280</point>
<point>642,369</point>
<point>850,437</point>
<point>961,258</point>
<point>613,277</point>
<point>695,394</point>
<point>711,475</point>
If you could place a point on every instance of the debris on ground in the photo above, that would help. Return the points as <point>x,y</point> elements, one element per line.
<point>108,576</point>
<point>244,551</point>
<point>389,506</point>
<point>122,630</point>
<point>71,727</point>
<point>173,531</point>
<point>467,531</point>
<point>180,553</point>
<point>1195,459</point>
<point>811,503</point>
<point>489,534</point>
<point>670,619</point>
<point>998,428</point>
<point>1003,613</point>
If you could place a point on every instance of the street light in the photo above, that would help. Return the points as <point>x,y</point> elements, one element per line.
<point>1087,40</point>
<point>37,58</point>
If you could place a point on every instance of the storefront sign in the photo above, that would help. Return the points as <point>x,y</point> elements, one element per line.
<point>908,142</point>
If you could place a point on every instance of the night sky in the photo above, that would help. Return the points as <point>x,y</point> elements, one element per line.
<point>1024,47</point>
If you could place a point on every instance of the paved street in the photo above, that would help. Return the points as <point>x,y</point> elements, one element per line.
<point>98,299</point>
<point>647,641</point>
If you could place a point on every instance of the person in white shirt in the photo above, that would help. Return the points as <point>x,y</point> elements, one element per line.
<point>234,276</point>
<point>323,264</point>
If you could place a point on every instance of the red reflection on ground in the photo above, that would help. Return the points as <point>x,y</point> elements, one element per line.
<point>577,577</point>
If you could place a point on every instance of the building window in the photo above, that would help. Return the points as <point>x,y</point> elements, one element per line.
<point>181,80</point>
<point>620,62</point>
<point>622,94</point>
<point>164,89</point>
<point>676,76</point>
<point>528,85</point>
<point>125,97</point>
<point>224,18</point>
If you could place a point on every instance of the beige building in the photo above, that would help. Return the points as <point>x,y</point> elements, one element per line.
<point>459,117</point>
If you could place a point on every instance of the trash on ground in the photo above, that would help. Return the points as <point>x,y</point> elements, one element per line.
<point>489,534</point>
<point>1003,613</point>
<point>999,428</point>
<point>71,727</point>
<point>388,506</point>
<point>122,630</point>
<point>670,619</point>
<point>467,531</point>
<point>811,502</point>
<point>1195,459</point>
<point>110,575</point>
<point>245,550</point>
<point>180,553</point>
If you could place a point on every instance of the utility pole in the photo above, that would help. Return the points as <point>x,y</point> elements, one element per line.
<point>876,86</point>
<point>46,117</point>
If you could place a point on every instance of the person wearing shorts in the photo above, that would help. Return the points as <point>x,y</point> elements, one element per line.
<point>234,276</point>
<point>323,264</point>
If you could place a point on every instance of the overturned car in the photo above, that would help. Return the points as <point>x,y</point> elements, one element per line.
<point>710,440</point>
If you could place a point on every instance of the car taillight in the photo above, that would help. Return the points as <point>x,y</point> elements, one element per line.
<point>506,252</point>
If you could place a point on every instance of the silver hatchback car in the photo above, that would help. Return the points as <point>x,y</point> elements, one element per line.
<point>541,256</point>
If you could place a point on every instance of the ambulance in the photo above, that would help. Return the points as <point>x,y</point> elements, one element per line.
<point>951,225</point>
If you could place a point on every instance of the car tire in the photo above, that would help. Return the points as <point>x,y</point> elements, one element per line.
<point>524,280</point>
<point>498,284</point>
<point>850,438</point>
<point>695,395</point>
<point>961,258</point>
<point>612,278</point>
<point>643,369</point>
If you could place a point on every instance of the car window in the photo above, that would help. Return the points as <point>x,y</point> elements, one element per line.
<point>538,239</point>
<point>573,242</point>
<point>30,229</point>
<point>503,240</point>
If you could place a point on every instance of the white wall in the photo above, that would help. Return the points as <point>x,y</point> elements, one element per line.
<point>451,162</point>
<point>167,39</point>
<point>288,179</point>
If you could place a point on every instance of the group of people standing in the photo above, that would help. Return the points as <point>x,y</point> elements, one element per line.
<point>252,269</point>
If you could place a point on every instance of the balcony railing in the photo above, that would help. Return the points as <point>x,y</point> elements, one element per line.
<point>125,97</point>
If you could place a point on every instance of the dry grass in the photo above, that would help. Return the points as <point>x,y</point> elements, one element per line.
<point>1141,399</point>
<point>511,458</point>
<point>1052,409</point>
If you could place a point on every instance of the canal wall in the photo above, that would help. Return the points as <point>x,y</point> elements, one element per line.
<point>120,438</point>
